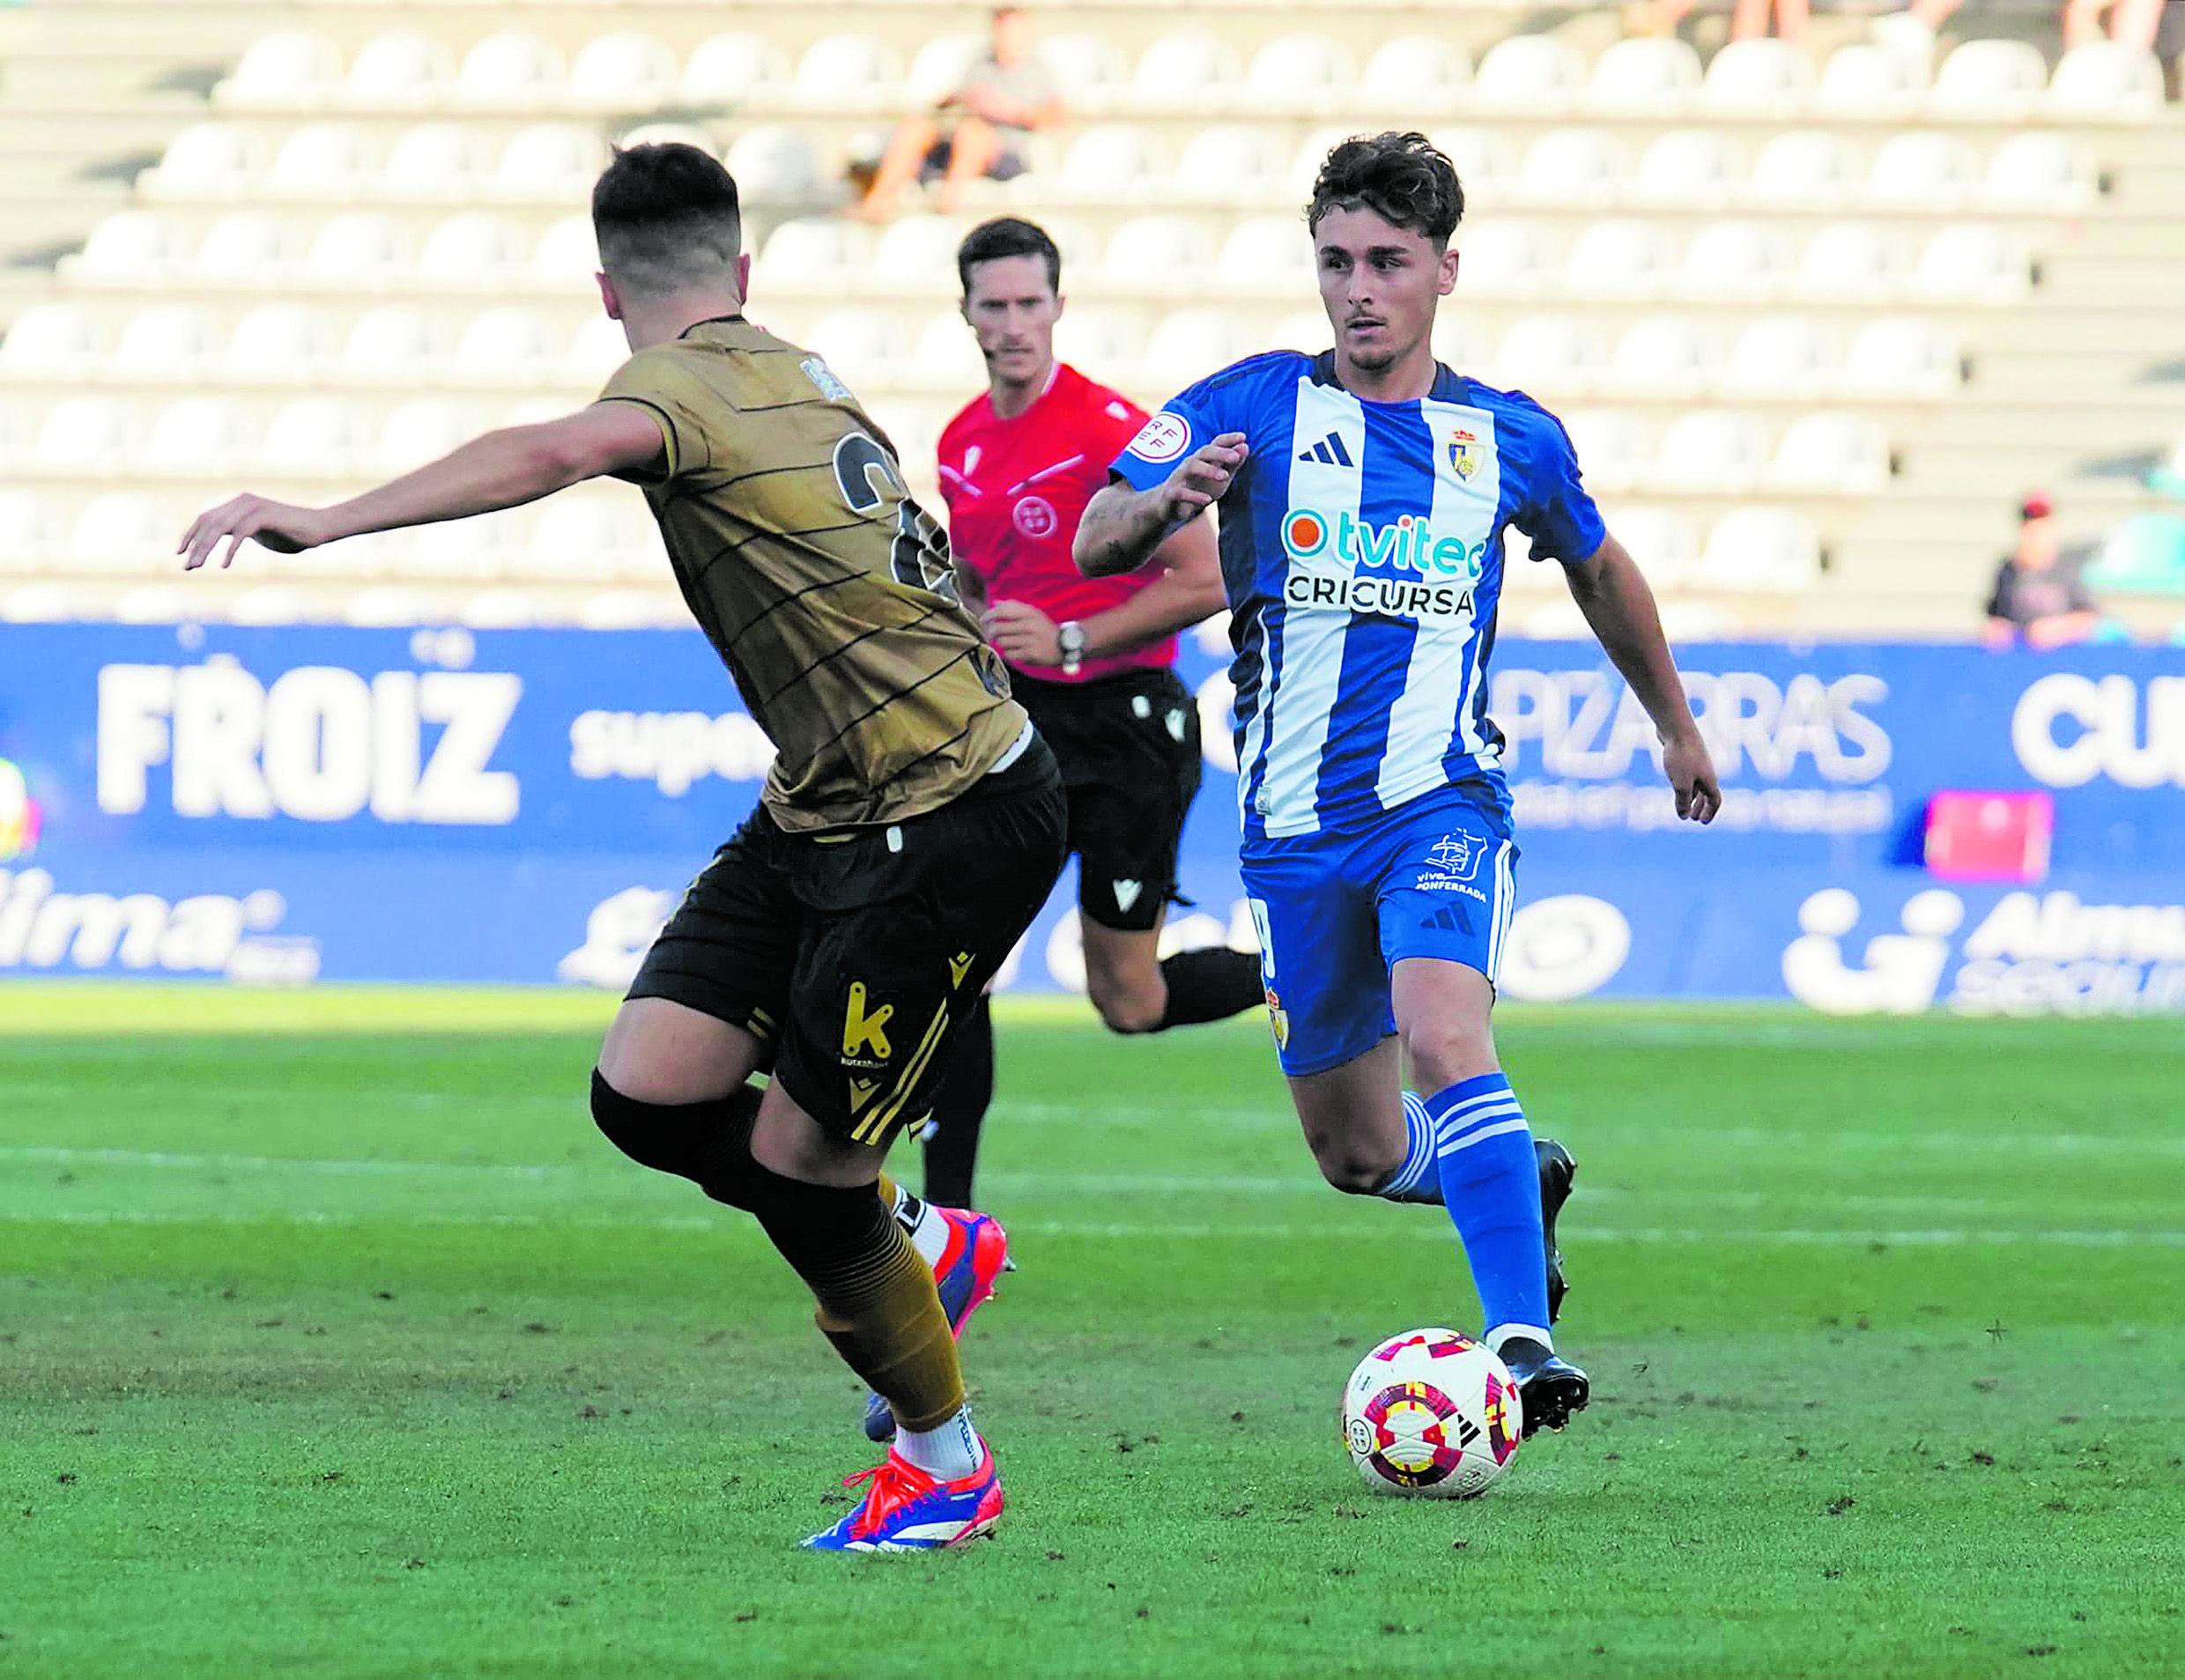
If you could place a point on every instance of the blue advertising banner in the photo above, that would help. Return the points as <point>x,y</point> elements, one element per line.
<point>285,805</point>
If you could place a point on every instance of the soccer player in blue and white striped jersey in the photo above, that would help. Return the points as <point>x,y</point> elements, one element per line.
<point>1364,494</point>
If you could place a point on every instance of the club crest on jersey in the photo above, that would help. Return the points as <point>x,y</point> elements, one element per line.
<point>1457,854</point>
<point>1034,516</point>
<point>1464,456</point>
<point>1278,1019</point>
<point>1162,437</point>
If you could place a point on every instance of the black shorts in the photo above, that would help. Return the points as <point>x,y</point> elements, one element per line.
<point>1129,747</point>
<point>852,956</point>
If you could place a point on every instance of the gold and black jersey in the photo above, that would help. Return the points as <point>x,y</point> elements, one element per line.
<point>824,585</point>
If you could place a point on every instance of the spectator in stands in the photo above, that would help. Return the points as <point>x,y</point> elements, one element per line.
<point>2038,597</point>
<point>980,127</point>
<point>1748,18</point>
<point>2134,23</point>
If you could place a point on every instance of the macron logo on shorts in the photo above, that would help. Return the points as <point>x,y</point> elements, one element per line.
<point>1127,892</point>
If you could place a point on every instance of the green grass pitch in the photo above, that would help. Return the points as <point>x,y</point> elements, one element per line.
<point>336,1342</point>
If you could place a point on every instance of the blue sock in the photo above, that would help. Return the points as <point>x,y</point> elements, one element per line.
<point>1419,1178</point>
<point>1491,1185</point>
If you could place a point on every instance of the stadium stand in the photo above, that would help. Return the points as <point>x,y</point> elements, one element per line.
<point>1797,302</point>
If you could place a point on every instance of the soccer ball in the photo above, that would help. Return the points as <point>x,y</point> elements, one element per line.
<point>1433,1413</point>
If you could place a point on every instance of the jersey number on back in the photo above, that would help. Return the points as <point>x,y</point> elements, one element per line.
<point>866,476</point>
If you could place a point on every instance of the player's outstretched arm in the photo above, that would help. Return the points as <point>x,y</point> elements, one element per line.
<point>1612,593</point>
<point>1188,589</point>
<point>1121,527</point>
<point>502,468</point>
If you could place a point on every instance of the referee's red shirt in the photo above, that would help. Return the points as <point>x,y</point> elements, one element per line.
<point>1016,489</point>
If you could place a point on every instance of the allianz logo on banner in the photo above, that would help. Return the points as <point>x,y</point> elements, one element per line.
<point>207,933</point>
<point>2032,954</point>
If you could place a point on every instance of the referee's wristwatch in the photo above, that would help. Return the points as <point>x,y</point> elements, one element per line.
<point>1069,640</point>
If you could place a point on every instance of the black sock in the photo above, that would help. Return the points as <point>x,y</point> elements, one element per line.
<point>1210,985</point>
<point>960,1111</point>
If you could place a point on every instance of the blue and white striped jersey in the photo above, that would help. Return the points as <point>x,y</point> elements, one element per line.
<point>1361,544</point>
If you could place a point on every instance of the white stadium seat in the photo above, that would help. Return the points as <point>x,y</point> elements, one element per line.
<point>816,254</point>
<point>1802,169</point>
<point>1623,256</point>
<point>2044,171</point>
<point>945,356</point>
<point>473,248</point>
<point>1541,74</point>
<point>1307,329</point>
<point>916,255</point>
<point>131,246</point>
<point>1101,339</point>
<point>1425,74</point>
<point>1764,74</point>
<point>31,523</point>
<point>1737,259</point>
<point>1864,80</point>
<point>551,163</point>
<point>1572,166</point>
<point>1615,450</point>
<point>567,256</point>
<point>1778,356</point>
<point>1661,356</point>
<point>1833,453</point>
<point>1759,548</point>
<point>507,344</point>
<point>596,348</point>
<point>688,134</point>
<point>1230,162</point>
<point>1089,70</point>
<point>88,435</point>
<point>435,160</point>
<point>729,68</point>
<point>278,342</point>
<point>125,531</point>
<point>1505,254</point>
<point>773,160</point>
<point>291,71</point>
<point>1482,156</point>
<point>324,160</point>
<point>847,72</point>
<point>1710,450</point>
<point>1988,81</point>
<point>166,341</point>
<point>312,437</point>
<point>395,343</point>
<point>1660,539</point>
<point>1158,253</point>
<point>1643,75</point>
<point>1926,169</point>
<point>1268,254</point>
<point>511,70</point>
<point>1901,356</point>
<point>1689,169</point>
<point>1973,262</point>
<point>1188,344</point>
<point>198,435</point>
<point>594,537</point>
<point>249,246</point>
<point>1851,261</point>
<point>940,66</point>
<point>1111,163</point>
<point>1546,353</point>
<point>2106,80</point>
<point>56,339</point>
<point>1183,73</point>
<point>626,70</point>
<point>357,249</point>
<point>1459,341</point>
<point>1297,75</point>
<point>400,71</point>
<point>487,546</point>
<point>863,345</point>
<point>207,160</point>
<point>419,430</point>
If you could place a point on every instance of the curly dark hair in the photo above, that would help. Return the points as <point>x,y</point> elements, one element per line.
<point>1401,177</point>
<point>666,215</point>
<point>1008,236</point>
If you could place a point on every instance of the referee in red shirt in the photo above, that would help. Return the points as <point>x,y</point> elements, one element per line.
<point>1090,658</point>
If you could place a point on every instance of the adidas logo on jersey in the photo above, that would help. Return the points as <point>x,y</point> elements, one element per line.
<point>1329,452</point>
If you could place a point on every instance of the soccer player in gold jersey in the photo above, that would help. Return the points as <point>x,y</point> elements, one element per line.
<point>911,826</point>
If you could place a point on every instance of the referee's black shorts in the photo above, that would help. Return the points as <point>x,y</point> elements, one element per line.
<point>1128,748</point>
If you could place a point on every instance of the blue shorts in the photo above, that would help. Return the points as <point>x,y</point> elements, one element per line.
<point>1436,877</point>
